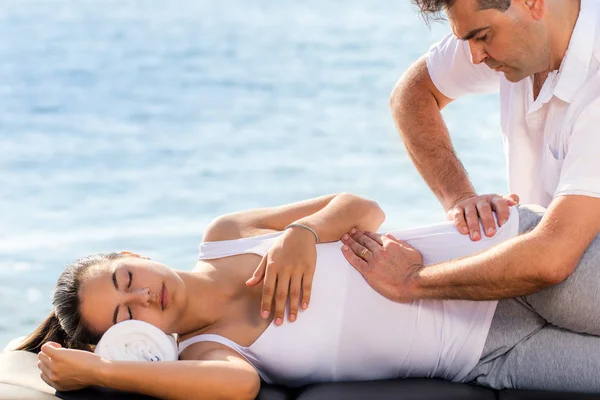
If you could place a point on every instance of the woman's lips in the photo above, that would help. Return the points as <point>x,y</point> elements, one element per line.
<point>164,300</point>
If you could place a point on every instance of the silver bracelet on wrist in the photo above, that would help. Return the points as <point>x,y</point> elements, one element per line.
<point>305,227</point>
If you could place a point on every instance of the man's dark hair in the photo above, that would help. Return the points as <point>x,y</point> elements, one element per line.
<point>432,9</point>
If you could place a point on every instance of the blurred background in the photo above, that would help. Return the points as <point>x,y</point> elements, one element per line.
<point>129,125</point>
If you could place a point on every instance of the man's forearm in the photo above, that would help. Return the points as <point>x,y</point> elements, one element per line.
<point>418,118</point>
<point>517,267</point>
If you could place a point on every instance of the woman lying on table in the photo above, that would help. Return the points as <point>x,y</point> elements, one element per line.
<point>258,268</point>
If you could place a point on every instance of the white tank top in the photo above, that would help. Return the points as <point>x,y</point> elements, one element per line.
<point>350,332</point>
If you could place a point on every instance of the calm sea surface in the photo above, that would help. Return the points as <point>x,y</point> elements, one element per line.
<point>131,124</point>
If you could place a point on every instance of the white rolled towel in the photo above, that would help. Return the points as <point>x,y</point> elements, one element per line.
<point>134,340</point>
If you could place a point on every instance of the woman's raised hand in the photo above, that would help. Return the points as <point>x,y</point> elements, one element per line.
<point>68,369</point>
<point>287,270</point>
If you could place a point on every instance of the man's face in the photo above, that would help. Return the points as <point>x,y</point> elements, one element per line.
<point>513,42</point>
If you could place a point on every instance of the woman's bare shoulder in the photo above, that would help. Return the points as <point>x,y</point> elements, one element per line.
<point>229,227</point>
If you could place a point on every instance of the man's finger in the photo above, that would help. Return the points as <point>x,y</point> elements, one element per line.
<point>501,208</point>
<point>259,273</point>
<point>268,292</point>
<point>365,241</point>
<point>374,236</point>
<point>487,218</point>
<point>472,218</point>
<point>458,217</point>
<point>400,242</point>
<point>514,197</point>
<point>358,249</point>
<point>358,263</point>
<point>295,289</point>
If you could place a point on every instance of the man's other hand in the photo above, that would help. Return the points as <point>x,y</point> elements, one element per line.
<point>467,211</point>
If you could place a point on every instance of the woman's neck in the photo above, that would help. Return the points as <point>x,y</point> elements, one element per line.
<point>209,294</point>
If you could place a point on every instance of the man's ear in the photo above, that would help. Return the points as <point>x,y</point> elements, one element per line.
<point>537,8</point>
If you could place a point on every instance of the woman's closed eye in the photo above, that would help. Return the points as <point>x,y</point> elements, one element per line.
<point>130,279</point>
<point>115,283</point>
<point>128,287</point>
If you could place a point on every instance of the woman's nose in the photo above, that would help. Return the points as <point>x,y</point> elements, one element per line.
<point>140,296</point>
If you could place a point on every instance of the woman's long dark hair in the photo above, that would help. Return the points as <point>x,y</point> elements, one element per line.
<point>64,324</point>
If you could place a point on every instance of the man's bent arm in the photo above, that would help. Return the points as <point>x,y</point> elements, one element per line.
<point>416,107</point>
<point>543,257</point>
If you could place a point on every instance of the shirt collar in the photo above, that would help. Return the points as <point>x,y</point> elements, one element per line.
<point>575,67</point>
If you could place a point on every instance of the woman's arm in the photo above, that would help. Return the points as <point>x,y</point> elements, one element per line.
<point>289,265</point>
<point>220,374</point>
<point>330,216</point>
<point>211,371</point>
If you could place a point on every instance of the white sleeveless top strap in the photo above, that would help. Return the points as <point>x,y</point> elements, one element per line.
<point>210,338</point>
<point>243,351</point>
<point>256,244</point>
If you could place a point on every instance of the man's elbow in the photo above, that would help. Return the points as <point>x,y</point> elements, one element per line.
<point>398,94</point>
<point>557,271</point>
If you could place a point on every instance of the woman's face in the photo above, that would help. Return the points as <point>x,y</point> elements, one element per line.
<point>131,288</point>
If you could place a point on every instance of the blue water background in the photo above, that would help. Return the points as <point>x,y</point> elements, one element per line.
<point>131,124</point>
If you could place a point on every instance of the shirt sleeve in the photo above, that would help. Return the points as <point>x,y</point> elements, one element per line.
<point>579,173</point>
<point>453,73</point>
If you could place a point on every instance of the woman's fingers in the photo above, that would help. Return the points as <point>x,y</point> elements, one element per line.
<point>43,358</point>
<point>46,373</point>
<point>307,280</point>
<point>269,282</point>
<point>259,273</point>
<point>281,296</point>
<point>48,381</point>
<point>295,290</point>
<point>44,366</point>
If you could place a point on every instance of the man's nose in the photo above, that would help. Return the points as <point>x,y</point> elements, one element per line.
<point>478,53</point>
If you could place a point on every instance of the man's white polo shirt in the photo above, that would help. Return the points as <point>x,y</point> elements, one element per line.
<point>552,144</point>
